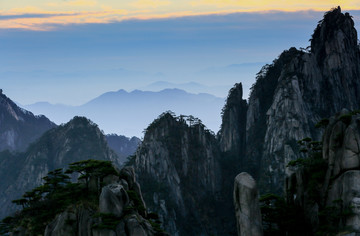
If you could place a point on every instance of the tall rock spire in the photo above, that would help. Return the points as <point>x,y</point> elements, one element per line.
<point>294,93</point>
<point>335,34</point>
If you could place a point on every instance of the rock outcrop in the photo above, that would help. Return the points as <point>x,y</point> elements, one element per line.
<point>337,190</point>
<point>248,216</point>
<point>113,198</point>
<point>179,168</point>
<point>79,139</point>
<point>113,201</point>
<point>74,221</point>
<point>119,212</point>
<point>18,127</point>
<point>341,150</point>
<point>289,97</point>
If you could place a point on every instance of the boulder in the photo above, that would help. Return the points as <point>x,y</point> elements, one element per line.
<point>113,199</point>
<point>128,173</point>
<point>347,188</point>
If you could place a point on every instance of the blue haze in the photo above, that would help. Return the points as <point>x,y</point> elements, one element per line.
<point>75,63</point>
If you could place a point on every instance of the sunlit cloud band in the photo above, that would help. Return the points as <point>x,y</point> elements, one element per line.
<point>51,15</point>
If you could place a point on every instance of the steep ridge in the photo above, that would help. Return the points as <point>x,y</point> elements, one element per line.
<point>179,168</point>
<point>290,96</point>
<point>79,139</point>
<point>18,127</point>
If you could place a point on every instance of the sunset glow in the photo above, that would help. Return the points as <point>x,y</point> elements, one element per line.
<point>47,15</point>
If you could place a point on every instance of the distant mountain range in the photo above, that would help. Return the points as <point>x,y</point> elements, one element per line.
<point>128,113</point>
<point>245,72</point>
<point>191,87</point>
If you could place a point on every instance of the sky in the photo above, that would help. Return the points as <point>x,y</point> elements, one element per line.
<point>71,51</point>
<point>44,14</point>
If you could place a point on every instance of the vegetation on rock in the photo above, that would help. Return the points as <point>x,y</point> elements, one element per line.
<point>306,209</point>
<point>58,194</point>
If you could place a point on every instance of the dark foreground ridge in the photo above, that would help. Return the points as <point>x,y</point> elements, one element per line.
<point>105,201</point>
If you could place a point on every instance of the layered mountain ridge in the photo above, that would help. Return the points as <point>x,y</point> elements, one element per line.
<point>187,173</point>
<point>148,106</point>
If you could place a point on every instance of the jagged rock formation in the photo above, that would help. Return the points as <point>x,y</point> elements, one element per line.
<point>178,166</point>
<point>120,211</point>
<point>289,97</point>
<point>233,128</point>
<point>248,216</point>
<point>79,139</point>
<point>18,127</point>
<point>114,200</point>
<point>260,137</point>
<point>337,193</point>
<point>123,146</point>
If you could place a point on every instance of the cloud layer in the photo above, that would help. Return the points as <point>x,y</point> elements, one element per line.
<point>43,15</point>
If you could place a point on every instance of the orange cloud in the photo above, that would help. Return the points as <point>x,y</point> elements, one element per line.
<point>74,3</point>
<point>147,9</point>
<point>283,5</point>
<point>24,10</point>
<point>49,22</point>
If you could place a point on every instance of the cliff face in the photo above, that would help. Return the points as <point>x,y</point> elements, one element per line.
<point>79,139</point>
<point>18,127</point>
<point>292,95</point>
<point>329,196</point>
<point>179,169</point>
<point>233,128</point>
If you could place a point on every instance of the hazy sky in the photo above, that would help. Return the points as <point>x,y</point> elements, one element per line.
<point>70,51</point>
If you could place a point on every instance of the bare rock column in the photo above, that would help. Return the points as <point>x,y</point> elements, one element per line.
<point>248,216</point>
